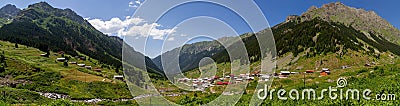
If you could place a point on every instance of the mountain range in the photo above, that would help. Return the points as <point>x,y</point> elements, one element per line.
<point>331,36</point>
<point>332,28</point>
<point>359,19</point>
<point>47,28</point>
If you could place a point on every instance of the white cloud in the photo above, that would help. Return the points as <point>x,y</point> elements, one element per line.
<point>144,31</point>
<point>134,6</point>
<point>171,39</point>
<point>131,4</point>
<point>114,25</point>
<point>138,2</point>
<point>130,27</point>
<point>135,3</point>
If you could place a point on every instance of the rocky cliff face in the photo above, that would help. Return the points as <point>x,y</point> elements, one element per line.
<point>360,19</point>
<point>293,18</point>
<point>8,11</point>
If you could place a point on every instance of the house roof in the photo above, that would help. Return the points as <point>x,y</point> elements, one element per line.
<point>285,72</point>
<point>118,76</point>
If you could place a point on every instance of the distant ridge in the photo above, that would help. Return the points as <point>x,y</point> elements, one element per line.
<point>332,28</point>
<point>360,19</point>
<point>47,28</point>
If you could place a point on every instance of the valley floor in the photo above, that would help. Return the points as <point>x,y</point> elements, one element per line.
<point>361,72</point>
<point>29,78</point>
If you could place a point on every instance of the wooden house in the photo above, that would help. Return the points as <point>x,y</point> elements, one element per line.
<point>323,73</point>
<point>285,72</point>
<point>61,59</point>
<point>326,70</point>
<point>81,65</point>
<point>88,67</point>
<point>282,76</point>
<point>97,69</point>
<point>310,71</point>
<point>119,77</point>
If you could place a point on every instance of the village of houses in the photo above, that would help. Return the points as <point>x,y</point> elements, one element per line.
<point>200,84</point>
<point>97,69</point>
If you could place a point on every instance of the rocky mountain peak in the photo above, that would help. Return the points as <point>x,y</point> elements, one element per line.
<point>9,8</point>
<point>43,10</point>
<point>42,5</point>
<point>8,11</point>
<point>334,5</point>
<point>360,19</point>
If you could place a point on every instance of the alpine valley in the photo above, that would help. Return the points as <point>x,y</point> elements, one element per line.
<point>351,43</point>
<point>54,56</point>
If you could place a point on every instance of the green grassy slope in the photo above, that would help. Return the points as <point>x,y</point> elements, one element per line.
<point>335,45</point>
<point>42,74</point>
<point>385,73</point>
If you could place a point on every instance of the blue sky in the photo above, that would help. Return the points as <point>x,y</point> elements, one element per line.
<point>194,21</point>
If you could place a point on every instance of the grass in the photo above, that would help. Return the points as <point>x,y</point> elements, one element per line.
<point>23,58</point>
<point>81,76</point>
<point>385,74</point>
<point>21,96</point>
<point>80,83</point>
<point>48,75</point>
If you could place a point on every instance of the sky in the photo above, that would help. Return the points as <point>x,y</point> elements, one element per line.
<point>174,23</point>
